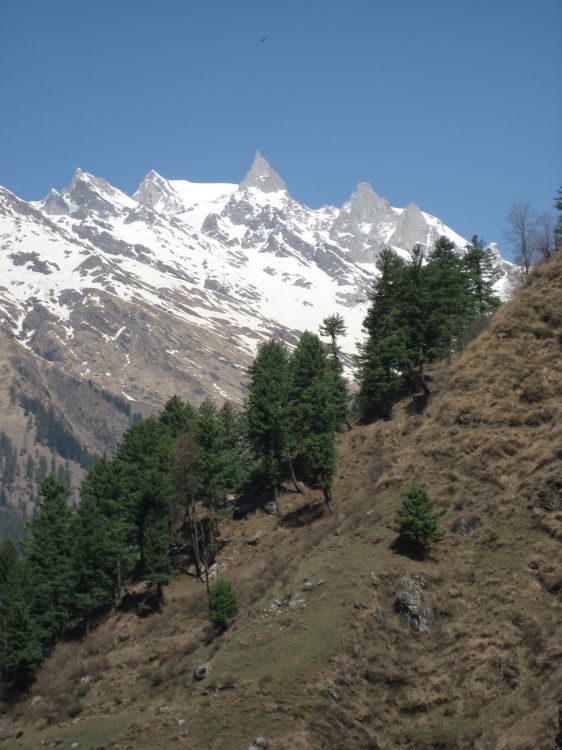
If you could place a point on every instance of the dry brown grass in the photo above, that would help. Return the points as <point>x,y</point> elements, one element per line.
<point>487,446</point>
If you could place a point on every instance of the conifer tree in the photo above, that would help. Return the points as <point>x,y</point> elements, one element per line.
<point>178,415</point>
<point>267,411</point>
<point>334,326</point>
<point>104,505</point>
<point>482,274</point>
<point>315,409</point>
<point>49,557</point>
<point>416,520</point>
<point>382,358</point>
<point>20,637</point>
<point>234,446</point>
<point>449,303</point>
<point>185,487</point>
<point>143,461</point>
<point>212,469</point>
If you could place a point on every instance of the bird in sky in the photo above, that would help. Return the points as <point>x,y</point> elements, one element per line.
<point>263,39</point>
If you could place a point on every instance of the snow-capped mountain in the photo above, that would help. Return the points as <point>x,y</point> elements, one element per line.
<point>173,288</point>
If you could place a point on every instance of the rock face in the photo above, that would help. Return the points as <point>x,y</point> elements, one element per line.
<point>202,671</point>
<point>409,600</point>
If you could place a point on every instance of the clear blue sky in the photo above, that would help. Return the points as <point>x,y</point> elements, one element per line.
<point>456,105</point>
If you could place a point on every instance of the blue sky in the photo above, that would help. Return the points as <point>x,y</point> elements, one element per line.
<point>454,105</point>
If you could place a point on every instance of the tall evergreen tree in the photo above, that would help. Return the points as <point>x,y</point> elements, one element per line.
<point>334,326</point>
<point>315,409</point>
<point>451,305</point>
<point>178,415</point>
<point>234,446</point>
<point>103,497</point>
<point>267,410</point>
<point>49,557</point>
<point>382,357</point>
<point>213,468</point>
<point>482,274</point>
<point>20,637</point>
<point>143,462</point>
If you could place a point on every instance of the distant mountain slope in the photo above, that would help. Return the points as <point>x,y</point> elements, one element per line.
<point>171,290</point>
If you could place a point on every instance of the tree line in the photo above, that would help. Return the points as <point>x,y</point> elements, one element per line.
<point>419,313</point>
<point>170,479</point>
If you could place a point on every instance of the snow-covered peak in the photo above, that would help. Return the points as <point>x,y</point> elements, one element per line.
<point>193,200</point>
<point>87,192</point>
<point>263,177</point>
<point>53,204</point>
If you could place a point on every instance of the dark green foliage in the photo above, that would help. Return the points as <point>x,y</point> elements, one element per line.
<point>21,653</point>
<point>449,304</point>
<point>382,358</point>
<point>212,465</point>
<point>178,415</point>
<point>334,326</point>
<point>316,408</point>
<point>104,532</point>
<point>234,446</point>
<point>223,603</point>
<point>143,464</point>
<point>482,274</point>
<point>268,416</point>
<point>416,521</point>
<point>419,311</point>
<point>49,559</point>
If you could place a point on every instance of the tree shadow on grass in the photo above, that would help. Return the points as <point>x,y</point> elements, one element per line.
<point>411,550</point>
<point>303,516</point>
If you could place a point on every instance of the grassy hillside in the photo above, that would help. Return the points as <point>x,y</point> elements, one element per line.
<point>325,653</point>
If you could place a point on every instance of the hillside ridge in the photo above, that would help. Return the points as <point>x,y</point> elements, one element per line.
<point>344,641</point>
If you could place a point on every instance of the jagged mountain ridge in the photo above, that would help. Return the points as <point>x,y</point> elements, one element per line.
<point>171,290</point>
<point>241,262</point>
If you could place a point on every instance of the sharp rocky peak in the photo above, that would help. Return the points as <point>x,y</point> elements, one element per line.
<point>152,189</point>
<point>263,177</point>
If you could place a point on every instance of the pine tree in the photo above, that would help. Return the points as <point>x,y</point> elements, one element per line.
<point>143,462</point>
<point>223,603</point>
<point>20,637</point>
<point>334,326</point>
<point>103,497</point>
<point>451,306</point>
<point>382,358</point>
<point>483,274</point>
<point>234,446</point>
<point>178,415</point>
<point>416,521</point>
<point>267,411</point>
<point>315,409</point>
<point>184,482</point>
<point>49,557</point>
<point>213,469</point>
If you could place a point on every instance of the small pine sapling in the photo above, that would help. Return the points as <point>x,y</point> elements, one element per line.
<point>223,603</point>
<point>416,521</point>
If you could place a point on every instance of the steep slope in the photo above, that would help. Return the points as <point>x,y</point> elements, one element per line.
<point>171,290</point>
<point>345,641</point>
